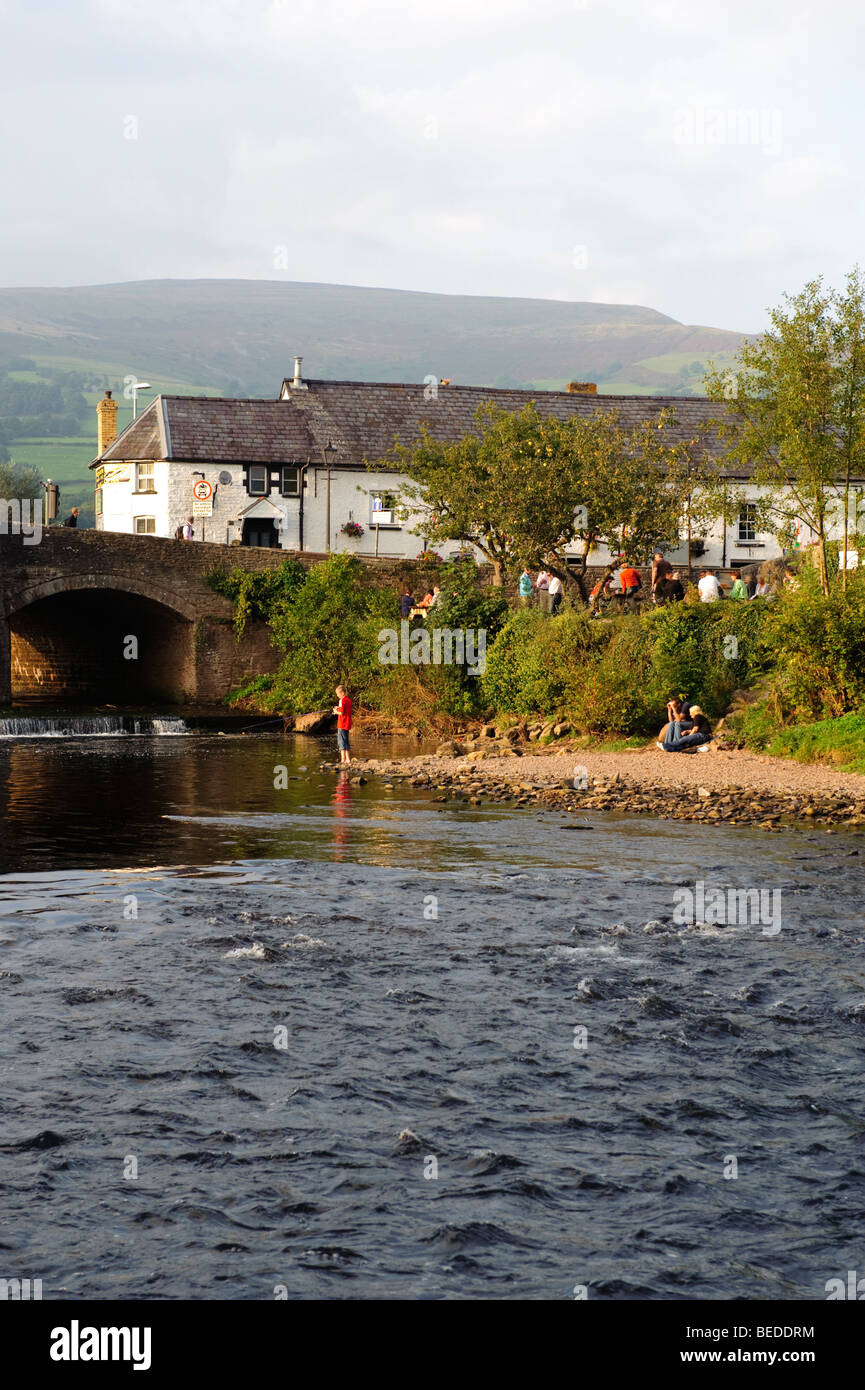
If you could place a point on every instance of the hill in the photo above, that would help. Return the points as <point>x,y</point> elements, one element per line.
<point>60,347</point>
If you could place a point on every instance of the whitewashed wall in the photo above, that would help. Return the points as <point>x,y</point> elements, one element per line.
<point>351,493</point>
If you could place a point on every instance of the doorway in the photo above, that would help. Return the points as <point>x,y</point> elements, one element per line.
<point>260,530</point>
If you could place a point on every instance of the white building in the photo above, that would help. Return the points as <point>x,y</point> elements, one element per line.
<point>292,472</point>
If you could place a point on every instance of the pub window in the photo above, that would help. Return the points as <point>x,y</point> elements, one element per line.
<point>290,481</point>
<point>145,480</point>
<point>99,501</point>
<point>747,523</point>
<point>257,484</point>
<point>145,526</point>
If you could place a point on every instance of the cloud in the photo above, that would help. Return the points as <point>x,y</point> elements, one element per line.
<point>459,147</point>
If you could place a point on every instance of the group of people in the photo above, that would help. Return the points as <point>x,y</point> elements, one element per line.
<point>687,729</point>
<point>741,590</point>
<point>410,607</point>
<point>546,590</point>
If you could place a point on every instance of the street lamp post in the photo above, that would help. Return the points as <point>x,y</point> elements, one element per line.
<point>328,453</point>
<point>136,387</point>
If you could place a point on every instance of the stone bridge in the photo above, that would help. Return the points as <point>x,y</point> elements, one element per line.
<point>69,604</point>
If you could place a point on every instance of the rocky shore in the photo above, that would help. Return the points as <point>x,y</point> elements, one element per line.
<point>723,786</point>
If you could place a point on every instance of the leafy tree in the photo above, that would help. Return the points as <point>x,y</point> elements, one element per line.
<point>523,487</point>
<point>796,415</point>
<point>19,480</point>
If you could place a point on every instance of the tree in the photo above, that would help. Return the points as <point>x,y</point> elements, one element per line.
<point>19,480</point>
<point>524,487</point>
<point>795,417</point>
<point>848,331</point>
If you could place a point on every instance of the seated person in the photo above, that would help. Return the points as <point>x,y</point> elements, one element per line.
<point>435,600</point>
<point>406,603</point>
<point>678,740</point>
<point>600,594</point>
<point>422,606</point>
<point>678,711</point>
<point>670,589</point>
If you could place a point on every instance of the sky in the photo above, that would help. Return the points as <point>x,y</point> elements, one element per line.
<point>700,157</point>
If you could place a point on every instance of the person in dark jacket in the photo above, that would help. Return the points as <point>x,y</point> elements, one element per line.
<point>670,589</point>
<point>72,518</point>
<point>677,741</point>
<point>406,603</point>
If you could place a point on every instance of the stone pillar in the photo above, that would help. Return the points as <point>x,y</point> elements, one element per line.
<point>106,423</point>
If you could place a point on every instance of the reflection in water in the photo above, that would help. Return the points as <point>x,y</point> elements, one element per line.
<point>341,809</point>
<point>91,802</point>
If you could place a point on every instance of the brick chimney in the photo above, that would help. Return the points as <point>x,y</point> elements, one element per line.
<point>106,423</point>
<point>581,388</point>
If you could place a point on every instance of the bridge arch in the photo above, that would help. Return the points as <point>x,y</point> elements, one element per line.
<point>97,638</point>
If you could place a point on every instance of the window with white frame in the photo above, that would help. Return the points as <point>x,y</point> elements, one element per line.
<point>290,481</point>
<point>747,525</point>
<point>145,525</point>
<point>257,480</point>
<point>145,477</point>
<point>383,509</point>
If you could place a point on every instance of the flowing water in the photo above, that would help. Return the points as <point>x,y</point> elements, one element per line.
<point>325,1040</point>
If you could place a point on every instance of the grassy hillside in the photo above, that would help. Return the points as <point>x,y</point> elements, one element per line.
<point>59,349</point>
<point>229,333</point>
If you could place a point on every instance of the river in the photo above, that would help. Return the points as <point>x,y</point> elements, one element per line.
<point>345,1041</point>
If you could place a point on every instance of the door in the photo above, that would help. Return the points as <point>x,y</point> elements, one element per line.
<point>260,531</point>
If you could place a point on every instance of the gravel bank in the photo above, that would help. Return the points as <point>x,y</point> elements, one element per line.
<point>720,786</point>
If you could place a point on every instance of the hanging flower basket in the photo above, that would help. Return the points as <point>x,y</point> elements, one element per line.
<point>352,528</point>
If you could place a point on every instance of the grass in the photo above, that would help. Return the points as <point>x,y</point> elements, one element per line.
<point>836,742</point>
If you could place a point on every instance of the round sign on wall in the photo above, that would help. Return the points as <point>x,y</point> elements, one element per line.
<point>202,490</point>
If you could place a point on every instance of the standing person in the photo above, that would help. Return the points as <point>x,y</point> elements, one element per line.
<point>631,583</point>
<point>343,724</point>
<point>526,587</point>
<point>542,584</point>
<point>406,603</point>
<point>661,569</point>
<point>737,589</point>
<point>710,590</point>
<point>555,592</point>
<point>72,518</point>
<point>188,533</point>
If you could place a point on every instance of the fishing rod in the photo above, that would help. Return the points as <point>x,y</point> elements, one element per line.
<point>266,725</point>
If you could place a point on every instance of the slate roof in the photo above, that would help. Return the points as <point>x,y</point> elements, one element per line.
<point>361,419</point>
<point>206,429</point>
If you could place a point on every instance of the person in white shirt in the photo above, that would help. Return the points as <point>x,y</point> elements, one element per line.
<point>555,593</point>
<point>709,588</point>
<point>542,584</point>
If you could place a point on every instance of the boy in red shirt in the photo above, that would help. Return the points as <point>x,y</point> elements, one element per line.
<point>343,724</point>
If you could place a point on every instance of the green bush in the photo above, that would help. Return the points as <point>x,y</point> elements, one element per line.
<point>329,633</point>
<point>819,650</point>
<point>265,594</point>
